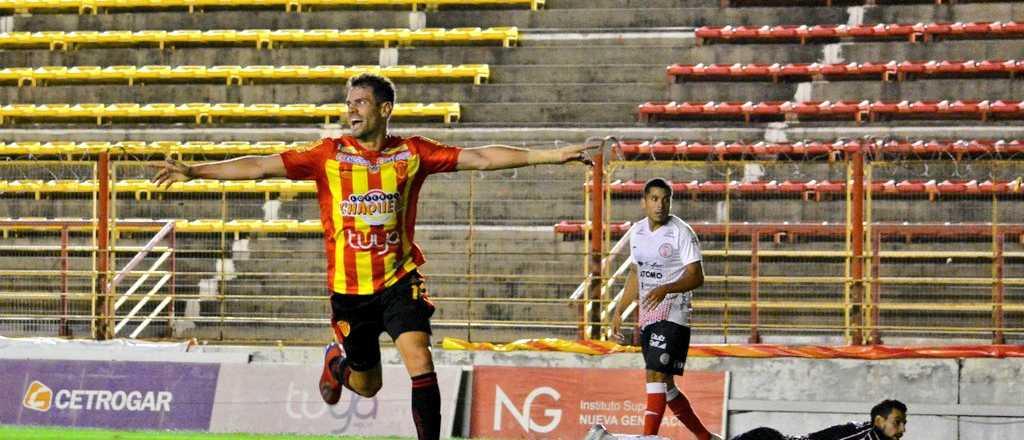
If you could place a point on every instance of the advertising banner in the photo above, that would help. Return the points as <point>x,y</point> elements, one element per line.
<point>285,399</point>
<point>117,395</point>
<point>563,403</point>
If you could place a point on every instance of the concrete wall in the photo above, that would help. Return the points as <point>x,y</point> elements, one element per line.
<point>946,397</point>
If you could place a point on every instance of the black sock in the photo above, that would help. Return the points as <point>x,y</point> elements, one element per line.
<point>340,370</point>
<point>426,406</point>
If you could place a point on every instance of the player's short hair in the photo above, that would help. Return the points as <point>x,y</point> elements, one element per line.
<point>657,182</point>
<point>382,87</point>
<point>885,408</point>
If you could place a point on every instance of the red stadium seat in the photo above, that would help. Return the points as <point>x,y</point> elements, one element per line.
<point>1007,29</point>
<point>800,70</point>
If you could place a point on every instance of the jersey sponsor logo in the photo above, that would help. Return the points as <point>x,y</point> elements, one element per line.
<point>658,341</point>
<point>651,274</point>
<point>40,397</point>
<point>665,250</point>
<point>379,241</point>
<point>375,207</point>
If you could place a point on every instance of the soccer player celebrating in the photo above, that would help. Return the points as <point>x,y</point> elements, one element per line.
<point>666,267</point>
<point>367,184</point>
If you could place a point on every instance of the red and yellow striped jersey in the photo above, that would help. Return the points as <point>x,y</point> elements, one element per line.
<point>368,205</point>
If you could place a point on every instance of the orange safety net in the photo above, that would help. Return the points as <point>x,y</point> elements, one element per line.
<point>870,352</point>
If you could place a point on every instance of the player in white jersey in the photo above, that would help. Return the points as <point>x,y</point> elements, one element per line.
<point>666,268</point>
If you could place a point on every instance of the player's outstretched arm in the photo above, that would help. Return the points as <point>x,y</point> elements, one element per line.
<point>241,168</point>
<point>499,157</point>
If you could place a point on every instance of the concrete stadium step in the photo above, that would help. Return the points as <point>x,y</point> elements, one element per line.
<point>609,74</point>
<point>326,93</point>
<point>648,16</point>
<point>155,19</point>
<point>544,113</point>
<point>946,50</point>
<point>938,89</point>
<point>717,91</point>
<point>529,53</point>
<point>626,4</point>
<point>537,137</point>
<point>962,12</point>
<point>550,18</point>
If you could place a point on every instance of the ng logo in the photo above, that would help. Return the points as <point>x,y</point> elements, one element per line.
<point>38,397</point>
<point>523,417</point>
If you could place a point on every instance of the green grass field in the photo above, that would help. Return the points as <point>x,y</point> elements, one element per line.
<point>59,433</point>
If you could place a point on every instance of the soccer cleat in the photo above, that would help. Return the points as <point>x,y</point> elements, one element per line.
<point>330,388</point>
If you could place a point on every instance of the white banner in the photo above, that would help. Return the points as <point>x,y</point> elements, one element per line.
<point>282,398</point>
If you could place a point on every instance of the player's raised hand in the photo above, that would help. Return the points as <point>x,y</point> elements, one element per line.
<point>576,153</point>
<point>170,171</point>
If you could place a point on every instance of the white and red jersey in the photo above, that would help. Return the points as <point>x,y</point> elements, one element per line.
<point>660,257</point>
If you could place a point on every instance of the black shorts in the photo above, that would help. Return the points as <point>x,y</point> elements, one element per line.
<point>664,345</point>
<point>358,320</point>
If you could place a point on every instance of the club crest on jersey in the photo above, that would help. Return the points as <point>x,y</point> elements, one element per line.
<point>375,207</point>
<point>665,250</point>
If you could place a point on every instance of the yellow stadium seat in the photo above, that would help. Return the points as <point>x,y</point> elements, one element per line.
<point>230,147</point>
<point>480,72</point>
<point>327,111</point>
<point>259,36</point>
<point>509,36</point>
<point>153,72</point>
<point>298,111</point>
<point>227,110</point>
<point>84,73</point>
<point>158,110</point>
<point>322,36</point>
<point>160,38</point>
<point>197,110</point>
<point>131,147</point>
<point>124,109</point>
<point>291,72</point>
<point>26,148</point>
<point>257,72</point>
<point>270,147</point>
<point>328,72</point>
<point>89,147</point>
<point>228,73</point>
<point>221,36</point>
<point>354,36</point>
<point>189,72</point>
<point>289,36</point>
<point>118,73</point>
<point>182,37</point>
<point>47,73</point>
<point>19,74</point>
<point>118,38</point>
<point>262,110</point>
<point>428,35</point>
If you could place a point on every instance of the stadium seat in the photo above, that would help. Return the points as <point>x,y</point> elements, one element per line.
<point>200,112</point>
<point>884,70</point>
<point>93,6</point>
<point>888,188</point>
<point>847,110</point>
<point>697,150</point>
<point>828,32</point>
<point>508,36</point>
